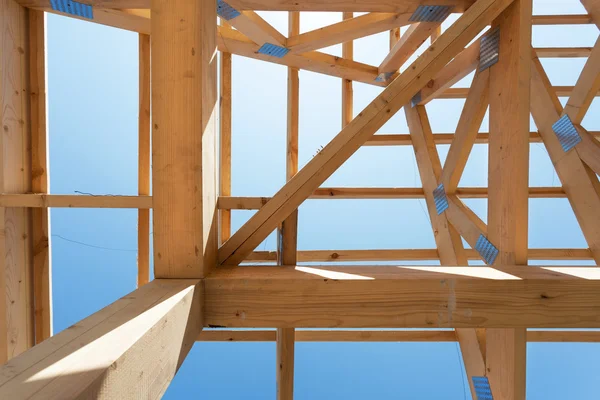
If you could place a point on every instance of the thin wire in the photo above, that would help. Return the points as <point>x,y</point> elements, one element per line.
<point>462,372</point>
<point>92,245</point>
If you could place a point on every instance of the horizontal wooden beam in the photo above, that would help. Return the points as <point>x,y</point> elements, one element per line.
<point>255,203</point>
<point>409,255</point>
<point>430,335</point>
<point>40,200</point>
<point>135,345</point>
<point>403,297</point>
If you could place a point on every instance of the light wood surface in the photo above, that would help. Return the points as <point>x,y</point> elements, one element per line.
<point>144,159</point>
<point>225,116</point>
<point>184,159</point>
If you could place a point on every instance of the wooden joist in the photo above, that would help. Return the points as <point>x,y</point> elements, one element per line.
<point>225,116</point>
<point>430,335</point>
<point>349,140</point>
<point>395,6</point>
<point>131,348</point>
<point>409,255</point>
<point>370,296</point>
<point>255,28</point>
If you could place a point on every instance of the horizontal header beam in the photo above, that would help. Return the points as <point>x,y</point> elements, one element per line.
<point>403,297</point>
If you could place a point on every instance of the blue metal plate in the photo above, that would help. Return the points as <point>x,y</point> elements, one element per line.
<point>486,250</point>
<point>225,11</point>
<point>273,50</point>
<point>489,49</point>
<point>440,199</point>
<point>482,388</point>
<point>73,8</point>
<point>416,99</point>
<point>566,133</point>
<point>431,14</point>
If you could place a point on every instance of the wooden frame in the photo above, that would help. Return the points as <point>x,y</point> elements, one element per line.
<point>187,139</point>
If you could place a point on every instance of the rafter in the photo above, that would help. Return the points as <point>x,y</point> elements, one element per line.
<point>409,42</point>
<point>395,6</point>
<point>581,186</point>
<point>347,30</point>
<point>255,28</point>
<point>359,131</point>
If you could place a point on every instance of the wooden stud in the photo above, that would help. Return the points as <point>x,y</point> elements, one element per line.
<point>144,159</point>
<point>42,263</point>
<point>347,90</point>
<point>285,363</point>
<point>184,105</point>
<point>225,142</point>
<point>398,93</point>
<point>130,349</point>
<point>18,330</point>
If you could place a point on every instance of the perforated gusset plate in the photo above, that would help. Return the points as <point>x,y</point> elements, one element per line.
<point>431,14</point>
<point>566,133</point>
<point>440,199</point>
<point>73,8</point>
<point>486,250</point>
<point>481,384</point>
<point>273,50</point>
<point>225,11</point>
<point>489,49</point>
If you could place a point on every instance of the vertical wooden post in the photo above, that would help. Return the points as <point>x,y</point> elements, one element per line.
<point>225,142</point>
<point>17,258</point>
<point>184,73</point>
<point>144,159</point>
<point>289,229</point>
<point>347,90</point>
<point>508,184</point>
<point>42,263</point>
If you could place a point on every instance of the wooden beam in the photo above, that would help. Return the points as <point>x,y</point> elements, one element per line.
<point>135,346</point>
<point>508,181</point>
<point>225,142</point>
<point>563,52</point>
<point>395,6</point>
<point>346,31</point>
<point>184,105</point>
<point>351,138</point>
<point>42,265</point>
<point>408,44</point>
<point>579,186</point>
<point>409,255</point>
<point>232,41</point>
<point>18,332</point>
<point>570,19</point>
<point>347,89</point>
<point>430,335</point>
<point>385,296</point>
<point>466,131</point>
<point>41,200</point>
<point>461,93</point>
<point>143,259</point>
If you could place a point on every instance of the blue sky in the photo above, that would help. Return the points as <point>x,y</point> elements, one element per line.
<point>92,86</point>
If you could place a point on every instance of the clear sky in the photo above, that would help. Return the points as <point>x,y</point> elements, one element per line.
<point>92,86</point>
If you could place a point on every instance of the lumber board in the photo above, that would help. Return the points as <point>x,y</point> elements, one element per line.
<point>285,363</point>
<point>17,258</point>
<point>184,138</point>
<point>396,6</point>
<point>593,9</point>
<point>225,141</point>
<point>398,93</point>
<point>143,232</point>
<point>255,28</point>
<point>131,348</point>
<point>42,264</point>
<point>430,335</point>
<point>377,297</point>
<point>42,200</point>
<point>347,86</point>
